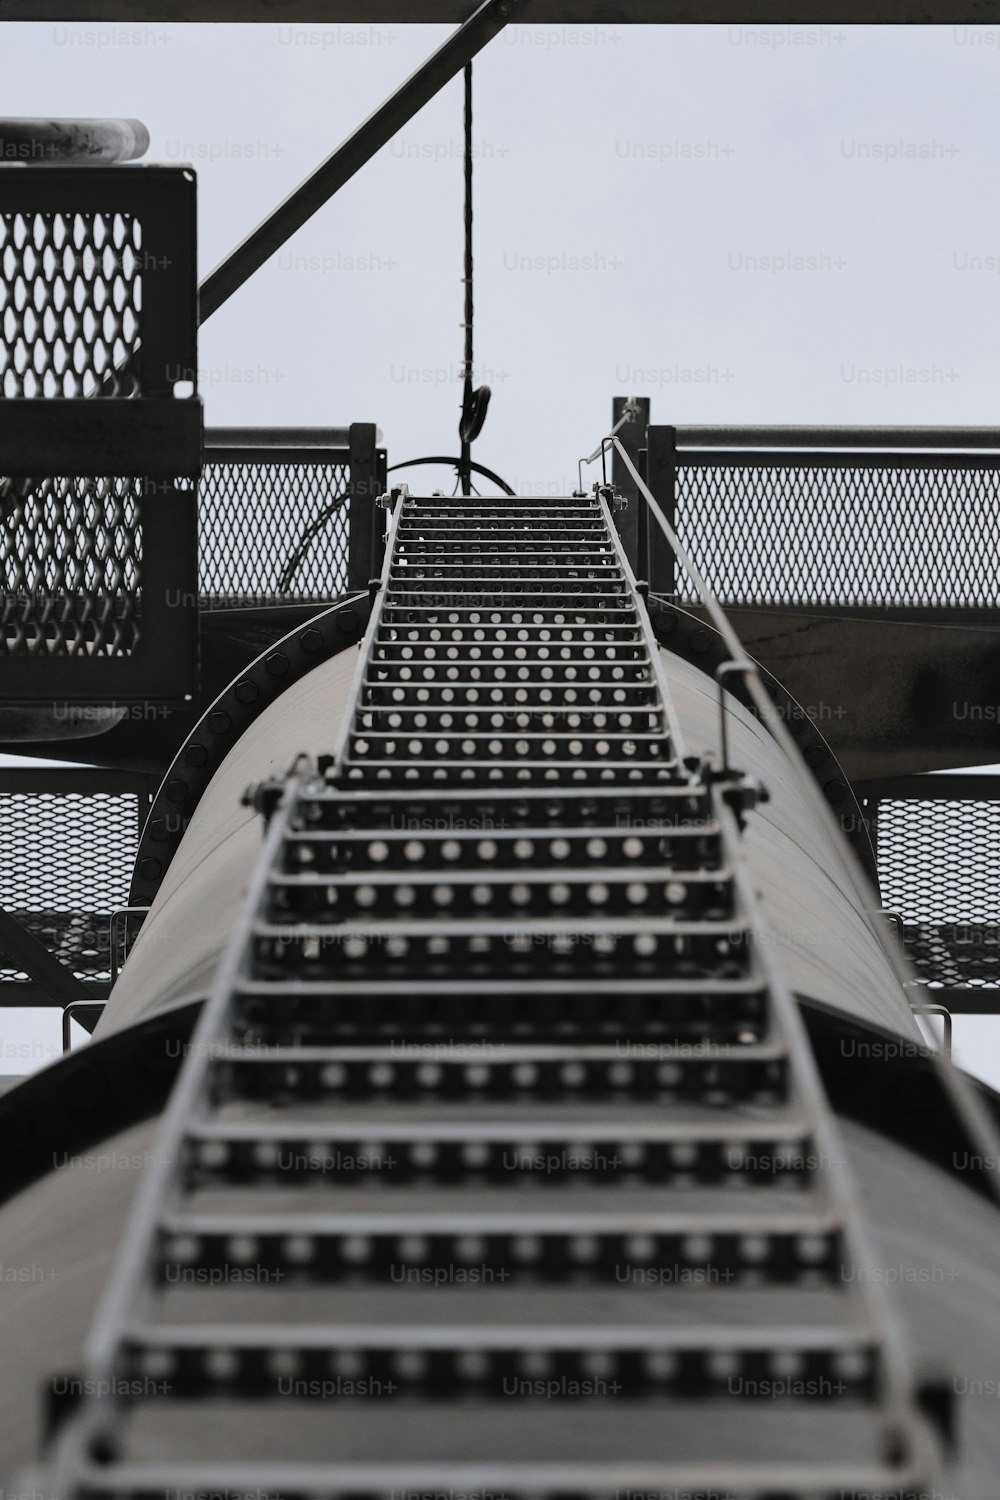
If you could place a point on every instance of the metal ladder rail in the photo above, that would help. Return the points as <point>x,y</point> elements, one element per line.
<point>898,1382</point>
<point>910,1437</point>
<point>89,1432</point>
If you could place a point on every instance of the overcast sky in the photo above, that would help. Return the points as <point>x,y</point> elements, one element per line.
<point>744,224</point>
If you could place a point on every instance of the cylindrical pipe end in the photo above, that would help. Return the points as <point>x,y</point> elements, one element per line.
<point>42,143</point>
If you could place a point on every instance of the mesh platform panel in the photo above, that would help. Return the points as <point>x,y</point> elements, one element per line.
<point>65,864</point>
<point>70,562</point>
<point>70,301</point>
<point>939,868</point>
<point>940,861</point>
<point>788,533</point>
<point>99,432</point>
<point>273,529</point>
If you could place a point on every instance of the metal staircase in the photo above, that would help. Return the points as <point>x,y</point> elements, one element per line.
<point>499,1164</point>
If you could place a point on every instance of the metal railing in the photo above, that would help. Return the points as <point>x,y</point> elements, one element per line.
<point>100,432</point>
<point>68,841</point>
<point>968,1107</point>
<point>937,844</point>
<point>839,518</point>
<point>288,515</point>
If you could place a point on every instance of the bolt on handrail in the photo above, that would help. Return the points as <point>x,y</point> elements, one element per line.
<point>970,1110</point>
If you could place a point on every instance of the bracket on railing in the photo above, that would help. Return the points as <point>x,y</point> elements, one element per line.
<point>126,912</point>
<point>945,1014</point>
<point>80,1011</point>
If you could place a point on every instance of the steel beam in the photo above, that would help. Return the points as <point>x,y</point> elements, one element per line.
<point>893,695</point>
<point>484,24</point>
<point>78,781</point>
<point>940,788</point>
<point>792,13</point>
<point>156,438</point>
<point>27,953</point>
<point>278,437</point>
<point>696,436</point>
<point>976,1000</point>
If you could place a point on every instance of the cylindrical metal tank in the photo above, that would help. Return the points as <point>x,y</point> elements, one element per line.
<point>935,1236</point>
<point>824,939</point>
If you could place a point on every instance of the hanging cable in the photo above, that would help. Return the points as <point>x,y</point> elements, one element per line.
<point>456,463</point>
<point>474,401</point>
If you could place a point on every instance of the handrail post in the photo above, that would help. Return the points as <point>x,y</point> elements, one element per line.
<point>642,528</point>
<point>633,438</point>
<point>661,476</point>
<point>363,488</point>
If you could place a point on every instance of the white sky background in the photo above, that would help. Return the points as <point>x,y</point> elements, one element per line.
<point>558,126</point>
<point>630,185</point>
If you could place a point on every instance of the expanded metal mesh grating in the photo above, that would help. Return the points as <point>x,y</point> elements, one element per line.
<point>70,564</point>
<point>939,869</point>
<point>939,861</point>
<point>65,863</point>
<point>70,304</point>
<point>788,533</point>
<point>270,530</point>
<point>98,336</point>
<point>70,301</point>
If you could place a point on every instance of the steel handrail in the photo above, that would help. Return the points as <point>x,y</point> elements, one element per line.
<point>970,1110</point>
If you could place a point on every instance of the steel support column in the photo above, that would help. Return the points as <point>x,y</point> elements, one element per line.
<point>661,476</point>
<point>365,547</point>
<point>633,437</point>
<point>39,964</point>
